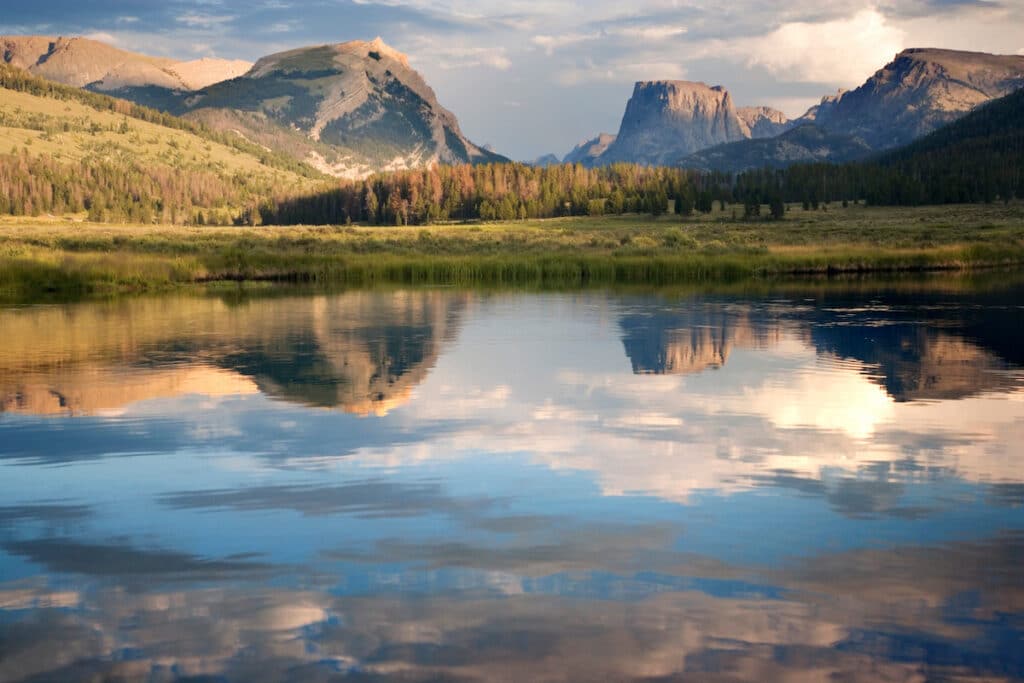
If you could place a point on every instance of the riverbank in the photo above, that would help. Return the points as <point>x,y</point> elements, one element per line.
<point>60,256</point>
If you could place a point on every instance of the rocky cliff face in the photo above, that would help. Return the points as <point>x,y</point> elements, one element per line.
<point>921,90</point>
<point>588,151</point>
<point>667,120</point>
<point>81,62</point>
<point>763,122</point>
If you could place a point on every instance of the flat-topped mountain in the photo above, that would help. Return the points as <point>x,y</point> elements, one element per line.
<point>667,120</point>
<point>921,90</point>
<point>89,63</point>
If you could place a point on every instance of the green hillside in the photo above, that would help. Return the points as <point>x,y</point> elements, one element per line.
<point>65,150</point>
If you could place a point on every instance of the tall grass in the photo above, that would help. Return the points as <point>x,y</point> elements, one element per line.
<point>37,258</point>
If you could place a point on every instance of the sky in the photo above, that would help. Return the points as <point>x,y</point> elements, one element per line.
<point>537,77</point>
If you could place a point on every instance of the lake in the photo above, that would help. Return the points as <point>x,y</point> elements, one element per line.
<point>802,481</point>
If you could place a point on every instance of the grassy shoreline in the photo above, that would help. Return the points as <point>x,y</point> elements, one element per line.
<point>53,256</point>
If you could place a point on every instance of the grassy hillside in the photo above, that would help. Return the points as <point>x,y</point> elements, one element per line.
<point>68,151</point>
<point>72,131</point>
<point>39,257</point>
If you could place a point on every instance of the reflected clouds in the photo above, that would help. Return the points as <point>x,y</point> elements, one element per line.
<point>799,485</point>
<point>934,612</point>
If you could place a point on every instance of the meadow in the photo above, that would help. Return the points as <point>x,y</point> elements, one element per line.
<point>66,256</point>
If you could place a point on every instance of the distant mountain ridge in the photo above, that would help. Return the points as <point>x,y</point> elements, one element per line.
<point>589,151</point>
<point>86,63</point>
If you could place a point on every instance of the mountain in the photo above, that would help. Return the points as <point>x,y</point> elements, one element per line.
<point>763,122</point>
<point>918,92</point>
<point>588,151</point>
<point>85,63</point>
<point>667,120</point>
<point>805,143</point>
<point>921,90</point>
<point>545,161</point>
<point>349,109</point>
<point>977,158</point>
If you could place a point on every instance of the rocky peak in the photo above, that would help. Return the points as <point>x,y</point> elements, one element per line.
<point>360,102</point>
<point>763,122</point>
<point>588,151</point>
<point>667,120</point>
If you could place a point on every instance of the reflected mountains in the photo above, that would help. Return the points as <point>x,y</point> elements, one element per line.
<point>362,353</point>
<point>924,346</point>
<point>365,352</point>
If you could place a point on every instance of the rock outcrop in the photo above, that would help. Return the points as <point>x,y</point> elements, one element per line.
<point>763,122</point>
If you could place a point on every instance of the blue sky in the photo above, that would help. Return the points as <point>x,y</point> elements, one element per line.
<point>537,77</point>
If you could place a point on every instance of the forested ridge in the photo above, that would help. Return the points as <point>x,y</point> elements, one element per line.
<point>979,158</point>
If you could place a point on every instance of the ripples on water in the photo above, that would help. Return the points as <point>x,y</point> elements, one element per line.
<point>437,485</point>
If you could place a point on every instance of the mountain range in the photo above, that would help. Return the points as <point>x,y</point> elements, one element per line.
<point>351,109</point>
<point>696,125</point>
<point>348,109</point>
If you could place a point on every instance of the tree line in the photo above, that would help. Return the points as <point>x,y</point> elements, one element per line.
<point>510,191</point>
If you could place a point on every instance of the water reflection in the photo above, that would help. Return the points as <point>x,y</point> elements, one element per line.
<point>797,485</point>
<point>362,353</point>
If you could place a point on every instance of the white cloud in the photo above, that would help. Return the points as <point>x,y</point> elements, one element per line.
<point>650,33</point>
<point>550,43</point>
<point>841,51</point>
<point>198,20</point>
<point>102,37</point>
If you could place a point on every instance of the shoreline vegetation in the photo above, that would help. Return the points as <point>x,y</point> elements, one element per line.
<point>51,256</point>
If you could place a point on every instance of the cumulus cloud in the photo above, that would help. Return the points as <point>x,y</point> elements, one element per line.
<point>842,51</point>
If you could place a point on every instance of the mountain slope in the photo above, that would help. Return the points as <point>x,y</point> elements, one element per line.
<point>977,158</point>
<point>805,143</point>
<point>81,62</point>
<point>356,107</point>
<point>921,90</point>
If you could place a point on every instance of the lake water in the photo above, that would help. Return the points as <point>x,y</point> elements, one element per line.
<point>803,483</point>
